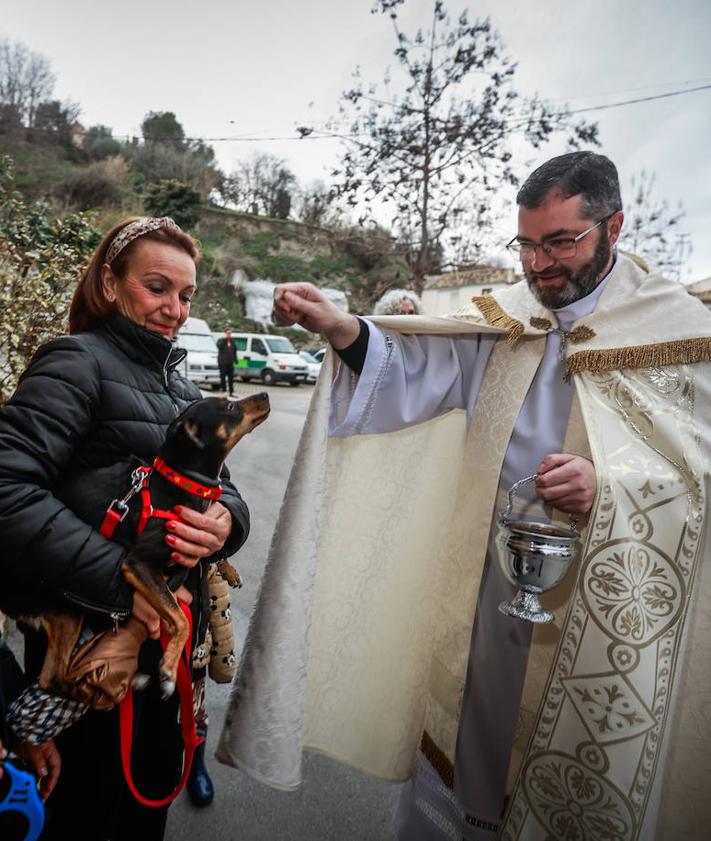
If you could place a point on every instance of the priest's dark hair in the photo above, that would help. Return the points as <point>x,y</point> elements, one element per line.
<point>587,174</point>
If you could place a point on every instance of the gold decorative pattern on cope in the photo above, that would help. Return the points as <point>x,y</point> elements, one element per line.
<point>573,801</point>
<point>660,355</point>
<point>614,672</point>
<point>582,333</point>
<point>540,323</point>
<point>632,590</point>
<point>609,707</point>
<point>497,317</point>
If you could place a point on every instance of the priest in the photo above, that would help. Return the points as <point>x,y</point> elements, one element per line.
<point>377,637</point>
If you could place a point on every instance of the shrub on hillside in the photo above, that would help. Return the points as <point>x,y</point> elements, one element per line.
<point>41,259</point>
<point>98,184</point>
<point>99,143</point>
<point>164,162</point>
<point>175,199</point>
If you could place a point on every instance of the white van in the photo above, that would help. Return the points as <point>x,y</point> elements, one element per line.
<point>271,359</point>
<point>200,365</point>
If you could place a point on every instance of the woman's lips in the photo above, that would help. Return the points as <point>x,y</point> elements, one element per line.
<point>166,329</point>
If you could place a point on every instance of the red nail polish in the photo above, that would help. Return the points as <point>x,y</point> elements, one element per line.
<point>169,538</point>
<point>171,524</point>
<point>175,556</point>
<point>178,509</point>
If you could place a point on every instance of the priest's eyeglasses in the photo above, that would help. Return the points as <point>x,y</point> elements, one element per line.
<point>558,248</point>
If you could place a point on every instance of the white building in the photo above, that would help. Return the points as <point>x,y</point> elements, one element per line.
<point>445,293</point>
<point>701,290</point>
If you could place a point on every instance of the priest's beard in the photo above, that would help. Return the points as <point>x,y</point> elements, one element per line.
<point>578,284</point>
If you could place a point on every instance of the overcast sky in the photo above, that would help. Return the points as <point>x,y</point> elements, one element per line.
<point>232,68</point>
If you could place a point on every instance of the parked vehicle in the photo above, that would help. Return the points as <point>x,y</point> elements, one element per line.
<point>313,364</point>
<point>269,358</point>
<point>200,365</point>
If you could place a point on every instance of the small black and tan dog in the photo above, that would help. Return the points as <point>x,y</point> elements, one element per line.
<point>186,473</point>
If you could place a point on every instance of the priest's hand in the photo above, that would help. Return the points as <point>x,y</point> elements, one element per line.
<point>305,304</point>
<point>567,482</point>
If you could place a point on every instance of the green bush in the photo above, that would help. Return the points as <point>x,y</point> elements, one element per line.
<point>99,143</point>
<point>175,199</point>
<point>99,184</point>
<point>41,259</point>
<point>160,162</point>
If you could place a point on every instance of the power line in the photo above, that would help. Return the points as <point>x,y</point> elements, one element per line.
<point>676,84</point>
<point>640,99</point>
<point>319,134</point>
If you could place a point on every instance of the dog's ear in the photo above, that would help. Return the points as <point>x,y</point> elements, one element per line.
<point>192,430</point>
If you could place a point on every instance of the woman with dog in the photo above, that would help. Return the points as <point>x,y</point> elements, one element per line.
<point>89,406</point>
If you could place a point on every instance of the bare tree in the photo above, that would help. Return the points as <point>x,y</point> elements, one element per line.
<point>262,184</point>
<point>440,149</point>
<point>26,80</point>
<point>318,206</point>
<point>652,229</point>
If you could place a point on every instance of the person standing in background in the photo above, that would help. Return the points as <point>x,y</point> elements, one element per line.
<point>226,357</point>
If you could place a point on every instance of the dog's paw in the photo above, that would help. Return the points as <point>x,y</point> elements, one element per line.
<point>167,686</point>
<point>140,681</point>
<point>229,573</point>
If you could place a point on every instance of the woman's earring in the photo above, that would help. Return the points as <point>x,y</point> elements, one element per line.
<point>110,297</point>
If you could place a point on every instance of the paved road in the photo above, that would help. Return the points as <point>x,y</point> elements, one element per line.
<point>335,802</point>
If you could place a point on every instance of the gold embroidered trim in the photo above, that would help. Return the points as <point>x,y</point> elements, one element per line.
<point>684,352</point>
<point>437,759</point>
<point>496,317</point>
<point>540,323</point>
<point>582,334</point>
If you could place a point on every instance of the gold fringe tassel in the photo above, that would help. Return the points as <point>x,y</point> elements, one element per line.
<point>684,352</point>
<point>583,333</point>
<point>496,317</point>
<point>438,760</point>
<point>540,323</point>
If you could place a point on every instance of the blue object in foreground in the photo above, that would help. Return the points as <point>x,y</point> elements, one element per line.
<point>22,796</point>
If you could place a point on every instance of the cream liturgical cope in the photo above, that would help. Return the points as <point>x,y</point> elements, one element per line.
<point>360,639</point>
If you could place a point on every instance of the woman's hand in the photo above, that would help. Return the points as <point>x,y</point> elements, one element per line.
<point>567,482</point>
<point>46,762</point>
<point>305,304</point>
<point>197,535</point>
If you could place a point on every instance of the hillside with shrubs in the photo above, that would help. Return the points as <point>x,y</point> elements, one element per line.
<point>63,183</point>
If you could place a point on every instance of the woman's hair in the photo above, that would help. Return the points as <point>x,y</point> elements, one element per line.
<point>89,303</point>
<point>389,304</point>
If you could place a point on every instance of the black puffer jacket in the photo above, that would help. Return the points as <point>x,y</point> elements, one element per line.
<point>86,407</point>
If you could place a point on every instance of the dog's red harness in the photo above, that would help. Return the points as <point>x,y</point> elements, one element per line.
<point>117,511</point>
<point>115,514</point>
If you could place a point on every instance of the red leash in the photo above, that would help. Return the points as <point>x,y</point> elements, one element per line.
<point>187,723</point>
<point>115,514</point>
